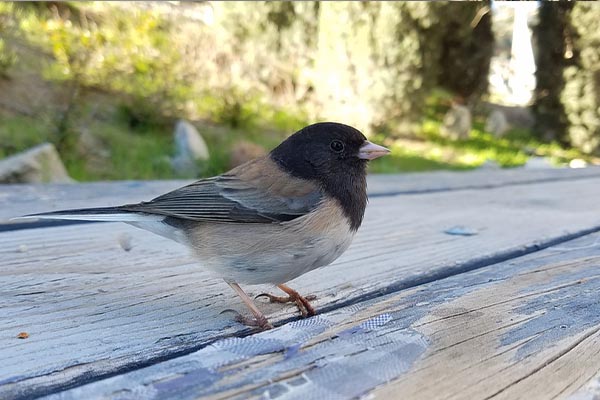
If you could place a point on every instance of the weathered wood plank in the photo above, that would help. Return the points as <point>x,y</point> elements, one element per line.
<point>18,200</point>
<point>528,328</point>
<point>381,184</point>
<point>93,308</point>
<point>590,391</point>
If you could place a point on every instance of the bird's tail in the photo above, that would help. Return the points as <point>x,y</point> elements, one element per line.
<point>116,214</point>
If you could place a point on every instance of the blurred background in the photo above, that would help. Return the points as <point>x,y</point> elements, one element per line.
<point>155,90</point>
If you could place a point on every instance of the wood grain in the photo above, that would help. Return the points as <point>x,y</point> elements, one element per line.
<point>93,309</point>
<point>528,328</point>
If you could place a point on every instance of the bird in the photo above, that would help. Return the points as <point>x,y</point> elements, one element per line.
<point>268,220</point>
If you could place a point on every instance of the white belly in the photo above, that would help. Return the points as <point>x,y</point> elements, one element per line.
<point>272,253</point>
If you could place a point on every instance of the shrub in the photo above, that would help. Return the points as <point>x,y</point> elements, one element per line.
<point>129,53</point>
<point>7,59</point>
<point>551,35</point>
<point>7,56</point>
<point>581,95</point>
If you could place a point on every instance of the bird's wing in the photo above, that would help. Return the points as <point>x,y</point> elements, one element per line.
<point>256,192</point>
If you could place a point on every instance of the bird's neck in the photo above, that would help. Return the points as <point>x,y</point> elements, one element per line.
<point>350,191</point>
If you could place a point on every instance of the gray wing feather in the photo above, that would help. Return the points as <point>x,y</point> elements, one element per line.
<point>227,199</point>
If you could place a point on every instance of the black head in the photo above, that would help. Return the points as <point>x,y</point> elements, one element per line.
<point>321,150</point>
<point>331,155</point>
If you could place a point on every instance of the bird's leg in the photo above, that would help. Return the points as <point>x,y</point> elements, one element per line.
<point>306,309</point>
<point>259,319</point>
<point>301,302</point>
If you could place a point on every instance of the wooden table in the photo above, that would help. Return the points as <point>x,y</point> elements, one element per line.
<point>473,285</point>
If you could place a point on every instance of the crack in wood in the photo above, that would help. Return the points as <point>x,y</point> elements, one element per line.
<point>468,266</point>
<point>524,296</point>
<point>548,362</point>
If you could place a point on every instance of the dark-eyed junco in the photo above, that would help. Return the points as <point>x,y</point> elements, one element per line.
<point>269,220</point>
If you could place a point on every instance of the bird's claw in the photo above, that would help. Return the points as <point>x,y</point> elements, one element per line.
<point>258,322</point>
<point>305,308</point>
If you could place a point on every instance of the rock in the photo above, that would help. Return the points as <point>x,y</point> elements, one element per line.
<point>243,151</point>
<point>577,163</point>
<point>190,148</point>
<point>40,164</point>
<point>457,123</point>
<point>496,123</point>
<point>490,164</point>
<point>517,117</point>
<point>89,145</point>
<point>93,150</point>
<point>538,163</point>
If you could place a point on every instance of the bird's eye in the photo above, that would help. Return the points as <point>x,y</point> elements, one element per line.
<point>337,146</point>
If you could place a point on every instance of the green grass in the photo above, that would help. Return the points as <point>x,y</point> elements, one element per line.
<point>144,153</point>
<point>428,150</point>
<point>478,148</point>
<point>511,150</point>
<point>20,133</point>
<point>141,153</point>
<point>132,155</point>
<point>405,160</point>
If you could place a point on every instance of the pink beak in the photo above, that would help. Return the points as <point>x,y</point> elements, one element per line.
<point>371,151</point>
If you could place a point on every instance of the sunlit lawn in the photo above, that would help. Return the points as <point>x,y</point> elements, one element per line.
<point>143,153</point>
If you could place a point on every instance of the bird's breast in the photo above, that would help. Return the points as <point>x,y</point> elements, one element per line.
<point>274,253</point>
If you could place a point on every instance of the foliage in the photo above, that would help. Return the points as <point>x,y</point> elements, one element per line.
<point>7,59</point>
<point>581,95</point>
<point>379,62</point>
<point>128,53</point>
<point>568,74</point>
<point>552,37</point>
<point>254,55</point>
<point>131,156</point>
<point>19,133</point>
<point>257,72</point>
<point>7,56</point>
<point>463,47</point>
<point>372,68</point>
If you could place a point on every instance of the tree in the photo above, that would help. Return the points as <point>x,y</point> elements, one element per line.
<point>552,37</point>
<point>465,44</point>
<point>581,94</point>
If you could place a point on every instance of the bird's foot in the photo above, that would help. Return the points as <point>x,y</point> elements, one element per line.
<point>259,322</point>
<point>302,302</point>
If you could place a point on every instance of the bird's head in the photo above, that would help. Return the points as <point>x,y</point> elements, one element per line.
<point>326,150</point>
